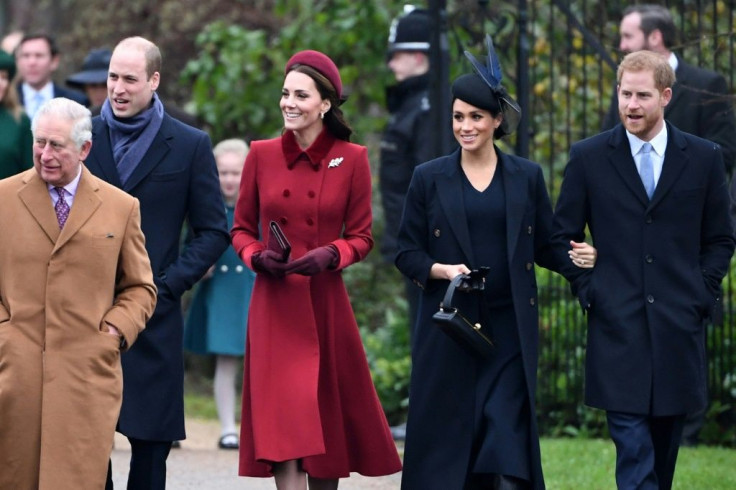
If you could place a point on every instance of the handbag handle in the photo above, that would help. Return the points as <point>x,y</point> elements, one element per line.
<point>446,304</point>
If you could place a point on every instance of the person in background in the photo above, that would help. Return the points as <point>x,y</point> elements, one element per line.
<point>16,142</point>
<point>38,57</point>
<point>92,78</point>
<point>170,168</point>
<point>404,142</point>
<point>217,319</point>
<point>76,289</point>
<point>655,200</point>
<point>472,422</point>
<point>310,413</point>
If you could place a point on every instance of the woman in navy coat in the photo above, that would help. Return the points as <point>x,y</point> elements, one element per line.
<point>471,421</point>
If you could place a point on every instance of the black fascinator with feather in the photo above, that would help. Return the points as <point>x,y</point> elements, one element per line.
<point>483,89</point>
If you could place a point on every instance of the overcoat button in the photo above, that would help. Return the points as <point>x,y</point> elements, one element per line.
<point>532,302</point>
<point>650,299</point>
<point>648,220</point>
<point>437,232</point>
<point>310,221</point>
<point>528,230</point>
<point>528,266</point>
<point>287,193</point>
<point>223,268</point>
<point>649,259</point>
<point>238,269</point>
<point>283,220</point>
<point>311,194</point>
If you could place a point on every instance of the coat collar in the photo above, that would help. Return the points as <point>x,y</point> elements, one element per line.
<point>314,154</point>
<point>449,185</point>
<point>35,196</point>
<point>102,153</point>
<point>675,160</point>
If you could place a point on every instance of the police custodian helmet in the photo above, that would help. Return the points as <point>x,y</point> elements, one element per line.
<point>411,31</point>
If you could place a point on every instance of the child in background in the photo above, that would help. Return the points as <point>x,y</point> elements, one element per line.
<point>217,320</point>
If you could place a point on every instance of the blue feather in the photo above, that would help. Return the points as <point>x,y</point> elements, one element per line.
<point>490,73</point>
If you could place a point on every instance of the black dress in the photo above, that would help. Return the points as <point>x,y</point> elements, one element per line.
<point>501,427</point>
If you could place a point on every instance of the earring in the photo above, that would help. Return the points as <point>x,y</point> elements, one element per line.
<point>321,115</point>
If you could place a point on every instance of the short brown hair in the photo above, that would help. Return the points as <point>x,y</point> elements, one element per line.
<point>664,75</point>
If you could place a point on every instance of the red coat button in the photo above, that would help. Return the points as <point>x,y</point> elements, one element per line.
<point>311,194</point>
<point>287,193</point>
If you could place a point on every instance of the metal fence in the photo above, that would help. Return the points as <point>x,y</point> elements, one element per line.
<point>565,54</point>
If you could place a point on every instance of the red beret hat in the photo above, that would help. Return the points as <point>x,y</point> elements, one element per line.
<point>320,62</point>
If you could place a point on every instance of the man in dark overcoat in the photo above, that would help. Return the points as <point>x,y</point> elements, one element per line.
<point>170,168</point>
<point>656,202</point>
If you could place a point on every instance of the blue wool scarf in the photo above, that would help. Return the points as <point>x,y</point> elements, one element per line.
<point>131,137</point>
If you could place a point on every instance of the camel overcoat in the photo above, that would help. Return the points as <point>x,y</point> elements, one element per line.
<point>60,374</point>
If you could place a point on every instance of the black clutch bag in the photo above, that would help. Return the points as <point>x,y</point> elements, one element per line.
<point>469,335</point>
<point>277,241</point>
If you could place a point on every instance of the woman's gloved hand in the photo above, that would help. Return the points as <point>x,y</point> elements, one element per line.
<point>269,262</point>
<point>314,261</point>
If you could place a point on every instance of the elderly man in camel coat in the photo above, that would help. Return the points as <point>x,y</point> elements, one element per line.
<point>76,288</point>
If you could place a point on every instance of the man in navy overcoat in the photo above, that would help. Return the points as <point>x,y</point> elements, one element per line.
<point>661,259</point>
<point>170,168</point>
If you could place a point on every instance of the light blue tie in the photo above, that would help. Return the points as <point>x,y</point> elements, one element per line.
<point>646,169</point>
<point>38,101</point>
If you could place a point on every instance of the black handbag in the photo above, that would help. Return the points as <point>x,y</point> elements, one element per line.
<point>469,335</point>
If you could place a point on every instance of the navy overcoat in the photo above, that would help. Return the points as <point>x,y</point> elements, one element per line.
<point>175,181</point>
<point>660,264</point>
<point>440,432</point>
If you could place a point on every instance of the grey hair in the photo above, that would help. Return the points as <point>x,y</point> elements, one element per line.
<point>234,145</point>
<point>71,111</point>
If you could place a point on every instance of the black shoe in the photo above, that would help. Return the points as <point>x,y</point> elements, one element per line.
<point>228,441</point>
<point>176,445</point>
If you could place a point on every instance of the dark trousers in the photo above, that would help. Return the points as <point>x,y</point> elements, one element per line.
<point>646,449</point>
<point>147,465</point>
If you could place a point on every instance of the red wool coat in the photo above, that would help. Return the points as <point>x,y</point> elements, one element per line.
<point>307,390</point>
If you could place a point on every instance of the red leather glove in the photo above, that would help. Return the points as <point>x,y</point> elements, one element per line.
<point>314,261</point>
<point>269,262</point>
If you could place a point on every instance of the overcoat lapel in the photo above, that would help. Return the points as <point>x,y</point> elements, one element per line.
<point>449,186</point>
<point>85,204</point>
<point>35,196</point>
<point>102,153</point>
<point>516,190</point>
<point>675,160</point>
<point>619,155</point>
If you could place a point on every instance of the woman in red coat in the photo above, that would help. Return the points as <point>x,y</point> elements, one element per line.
<point>310,411</point>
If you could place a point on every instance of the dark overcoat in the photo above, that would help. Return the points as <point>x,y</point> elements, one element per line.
<point>440,432</point>
<point>175,181</point>
<point>659,267</point>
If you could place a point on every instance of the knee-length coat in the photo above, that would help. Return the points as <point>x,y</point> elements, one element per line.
<point>442,395</point>
<point>307,389</point>
<point>60,376</point>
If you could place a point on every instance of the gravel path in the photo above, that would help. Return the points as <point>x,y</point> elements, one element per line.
<point>200,465</point>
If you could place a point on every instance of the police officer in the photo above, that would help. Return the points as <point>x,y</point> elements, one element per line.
<point>406,139</point>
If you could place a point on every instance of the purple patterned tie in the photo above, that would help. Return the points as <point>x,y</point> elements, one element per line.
<point>62,208</point>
